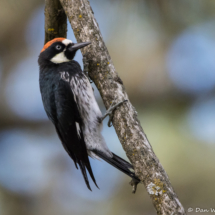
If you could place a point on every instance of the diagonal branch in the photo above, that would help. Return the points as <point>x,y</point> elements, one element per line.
<point>131,135</point>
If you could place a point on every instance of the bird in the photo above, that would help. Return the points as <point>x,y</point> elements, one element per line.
<point>69,102</point>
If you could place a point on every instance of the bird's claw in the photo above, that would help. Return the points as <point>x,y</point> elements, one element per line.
<point>110,112</point>
<point>134,184</point>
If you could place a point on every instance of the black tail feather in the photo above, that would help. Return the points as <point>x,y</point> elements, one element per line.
<point>116,157</point>
<point>87,164</point>
<point>84,164</point>
<point>118,163</point>
<point>84,173</point>
<point>80,159</point>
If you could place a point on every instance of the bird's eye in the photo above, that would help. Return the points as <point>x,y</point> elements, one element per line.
<point>58,47</point>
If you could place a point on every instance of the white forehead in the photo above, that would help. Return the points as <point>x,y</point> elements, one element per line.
<point>66,42</point>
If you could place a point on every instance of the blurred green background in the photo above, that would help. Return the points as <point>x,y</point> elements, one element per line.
<point>164,51</point>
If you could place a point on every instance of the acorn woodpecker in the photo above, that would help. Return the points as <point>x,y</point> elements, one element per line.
<point>70,104</point>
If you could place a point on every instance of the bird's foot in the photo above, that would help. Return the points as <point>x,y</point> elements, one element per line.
<point>110,112</point>
<point>134,184</point>
<point>86,66</point>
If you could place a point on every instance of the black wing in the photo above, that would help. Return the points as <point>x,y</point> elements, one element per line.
<point>68,124</point>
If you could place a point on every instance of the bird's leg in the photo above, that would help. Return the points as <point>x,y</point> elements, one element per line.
<point>110,112</point>
<point>86,66</point>
<point>134,184</point>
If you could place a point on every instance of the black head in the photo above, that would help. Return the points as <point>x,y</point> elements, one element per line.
<point>60,50</point>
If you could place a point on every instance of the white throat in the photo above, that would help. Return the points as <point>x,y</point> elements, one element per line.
<point>60,58</point>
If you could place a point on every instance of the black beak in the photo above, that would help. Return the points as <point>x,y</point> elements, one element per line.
<point>77,46</point>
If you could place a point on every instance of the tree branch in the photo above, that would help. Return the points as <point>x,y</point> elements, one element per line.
<point>55,20</point>
<point>102,72</point>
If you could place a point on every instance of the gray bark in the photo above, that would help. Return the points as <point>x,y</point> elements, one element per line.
<point>131,135</point>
